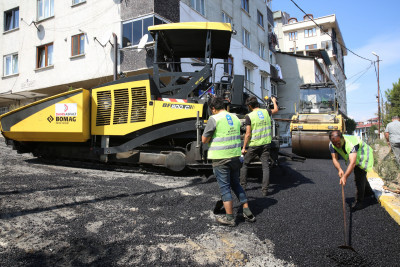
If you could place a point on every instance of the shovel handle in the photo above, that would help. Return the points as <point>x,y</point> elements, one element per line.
<point>344,215</point>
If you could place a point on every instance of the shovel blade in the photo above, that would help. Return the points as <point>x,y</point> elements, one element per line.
<point>347,247</point>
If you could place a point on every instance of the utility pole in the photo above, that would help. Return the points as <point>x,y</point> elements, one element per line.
<point>378,97</point>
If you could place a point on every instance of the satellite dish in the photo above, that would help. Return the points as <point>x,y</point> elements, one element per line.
<point>142,42</point>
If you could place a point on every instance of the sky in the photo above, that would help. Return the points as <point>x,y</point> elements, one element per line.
<point>367,26</point>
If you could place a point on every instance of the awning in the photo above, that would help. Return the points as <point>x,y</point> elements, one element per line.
<point>9,95</point>
<point>250,64</point>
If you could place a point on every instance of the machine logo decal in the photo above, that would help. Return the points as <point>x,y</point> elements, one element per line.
<point>177,106</point>
<point>229,119</point>
<point>260,115</point>
<point>68,109</point>
<point>50,118</point>
<point>66,112</point>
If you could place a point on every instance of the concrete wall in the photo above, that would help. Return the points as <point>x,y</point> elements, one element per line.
<point>295,71</point>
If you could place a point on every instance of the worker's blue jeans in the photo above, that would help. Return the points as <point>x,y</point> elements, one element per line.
<point>227,176</point>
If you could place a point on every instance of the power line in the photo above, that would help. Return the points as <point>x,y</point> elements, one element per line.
<point>360,71</point>
<point>365,71</point>
<point>343,46</point>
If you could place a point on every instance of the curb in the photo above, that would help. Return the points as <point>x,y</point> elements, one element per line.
<point>387,199</point>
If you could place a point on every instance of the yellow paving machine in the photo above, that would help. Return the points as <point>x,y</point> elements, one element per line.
<point>144,119</point>
<point>317,114</point>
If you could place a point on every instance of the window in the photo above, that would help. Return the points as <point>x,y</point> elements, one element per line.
<point>133,30</point>
<point>261,50</point>
<point>292,36</point>
<point>226,18</point>
<point>228,66</point>
<point>263,85</point>
<point>10,64</point>
<point>246,38</point>
<point>247,79</point>
<point>274,90</point>
<point>44,56</point>
<point>245,5</point>
<point>11,19</point>
<point>75,2</point>
<point>45,9</point>
<point>310,32</point>
<point>198,5</point>
<point>260,19</point>
<point>292,49</point>
<point>78,44</point>
<point>312,46</point>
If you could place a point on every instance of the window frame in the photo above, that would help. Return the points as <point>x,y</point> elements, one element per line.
<point>202,9</point>
<point>245,5</point>
<point>307,32</point>
<point>14,19</point>
<point>274,89</point>
<point>228,68</point>
<point>164,21</point>
<point>12,64</point>
<point>260,15</point>
<point>314,47</point>
<point>224,16</point>
<point>46,59</point>
<point>291,35</point>
<point>246,38</point>
<point>79,44</point>
<point>261,50</point>
<point>43,9</point>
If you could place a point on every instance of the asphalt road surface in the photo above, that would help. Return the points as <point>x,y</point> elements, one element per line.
<point>63,215</point>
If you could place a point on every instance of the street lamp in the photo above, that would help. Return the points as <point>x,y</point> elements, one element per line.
<point>379,107</point>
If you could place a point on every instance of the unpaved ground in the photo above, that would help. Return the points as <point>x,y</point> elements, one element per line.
<point>58,215</point>
<point>387,167</point>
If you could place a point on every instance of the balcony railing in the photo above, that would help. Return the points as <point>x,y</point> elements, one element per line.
<point>249,86</point>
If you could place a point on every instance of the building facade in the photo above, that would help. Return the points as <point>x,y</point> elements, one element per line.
<point>310,54</point>
<point>52,46</point>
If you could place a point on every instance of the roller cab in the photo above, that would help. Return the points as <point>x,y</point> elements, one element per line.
<point>60,118</point>
<point>317,116</point>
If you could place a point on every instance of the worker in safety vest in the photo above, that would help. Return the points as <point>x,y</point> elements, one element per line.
<point>222,132</point>
<point>258,137</point>
<point>359,157</point>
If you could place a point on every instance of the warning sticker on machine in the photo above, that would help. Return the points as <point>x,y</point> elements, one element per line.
<point>67,109</point>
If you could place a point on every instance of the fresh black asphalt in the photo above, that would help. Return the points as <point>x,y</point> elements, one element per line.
<point>112,218</point>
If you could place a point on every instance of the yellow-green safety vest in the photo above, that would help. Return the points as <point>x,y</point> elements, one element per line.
<point>260,127</point>
<point>365,156</point>
<point>225,142</point>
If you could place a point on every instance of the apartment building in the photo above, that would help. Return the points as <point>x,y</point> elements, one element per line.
<point>50,46</point>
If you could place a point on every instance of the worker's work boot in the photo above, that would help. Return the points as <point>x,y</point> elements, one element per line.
<point>224,221</point>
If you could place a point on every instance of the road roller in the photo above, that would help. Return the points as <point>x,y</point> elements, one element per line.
<point>317,114</point>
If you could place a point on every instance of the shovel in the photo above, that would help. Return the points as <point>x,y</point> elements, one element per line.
<point>345,246</point>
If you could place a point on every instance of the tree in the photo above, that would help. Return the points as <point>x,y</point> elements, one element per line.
<point>371,133</point>
<point>392,105</point>
<point>350,126</point>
